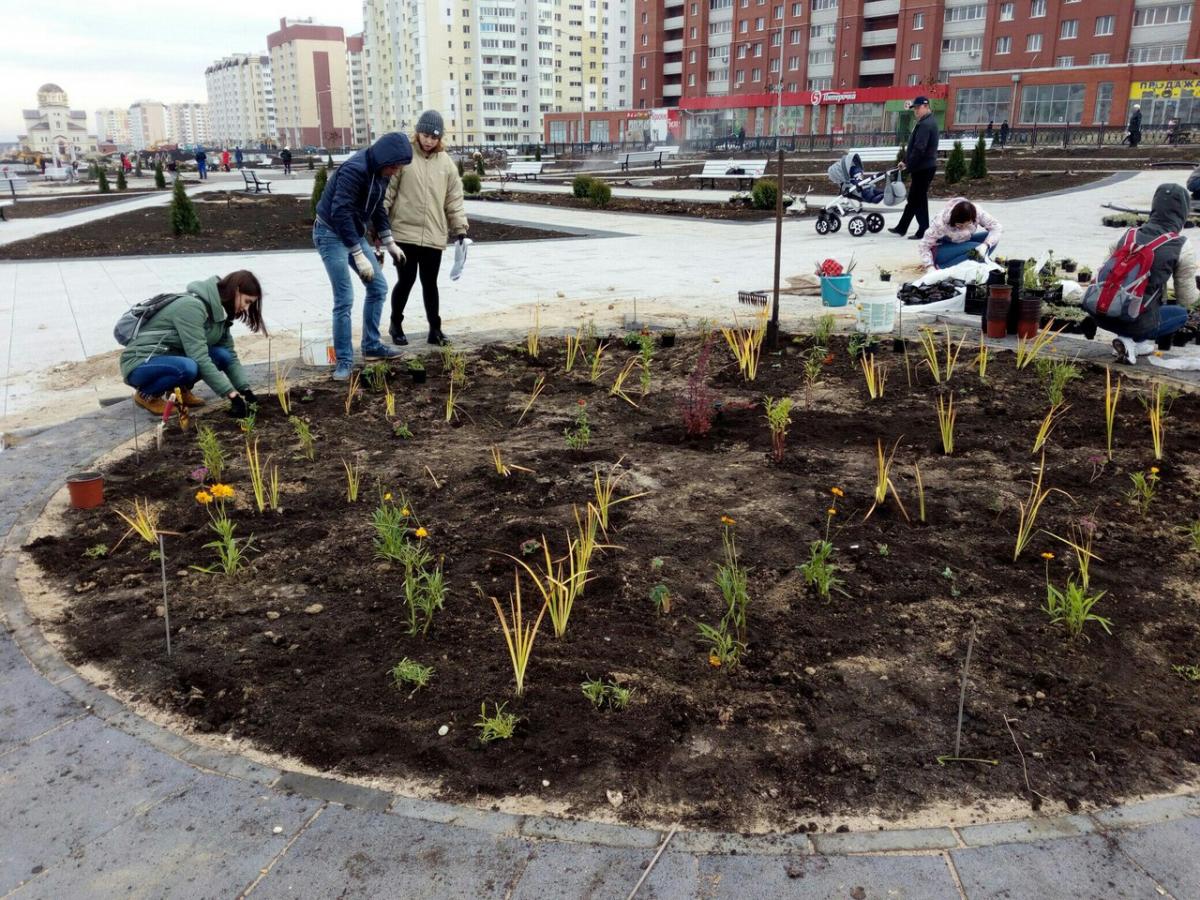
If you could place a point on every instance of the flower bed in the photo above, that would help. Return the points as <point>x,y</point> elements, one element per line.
<point>827,681</point>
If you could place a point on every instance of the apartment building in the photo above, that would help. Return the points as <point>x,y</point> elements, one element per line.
<point>312,85</point>
<point>241,101</point>
<point>187,124</point>
<point>503,66</point>
<point>792,66</point>
<point>147,124</point>
<point>357,90</point>
<point>112,127</point>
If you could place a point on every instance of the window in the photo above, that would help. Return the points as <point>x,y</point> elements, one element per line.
<point>718,74</point>
<point>978,106</point>
<point>820,84</point>
<point>758,24</point>
<point>1098,59</point>
<point>644,18</point>
<point>692,33</point>
<point>695,9</point>
<point>919,22</point>
<point>1056,104</point>
<point>774,66</point>
<point>816,31</point>
<point>818,5</point>
<point>1037,9</point>
<point>914,51</point>
<point>720,27</point>
<point>777,39</point>
<point>914,79</point>
<point>758,50</point>
<point>1105,25</point>
<point>1104,93</point>
<point>1064,62</point>
<point>720,4</point>
<point>797,9</point>
<point>1007,11</point>
<point>1033,43</point>
<point>744,26</point>
<point>741,77</point>
<point>642,85</point>
<point>1157,53</point>
<point>643,62</point>
<point>742,48</point>
<point>691,81</point>
<point>793,63</point>
<point>1068,30</point>
<point>777,13</point>
<point>1162,15</point>
<point>820,57</point>
<point>1003,46</point>
<point>962,45</point>
<point>794,36</point>
<point>691,56</point>
<point>967,13</point>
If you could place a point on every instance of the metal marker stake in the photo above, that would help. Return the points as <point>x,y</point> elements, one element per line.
<point>162,560</point>
<point>962,692</point>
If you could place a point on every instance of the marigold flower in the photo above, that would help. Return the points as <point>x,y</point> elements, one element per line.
<point>204,497</point>
<point>728,520</point>
<point>387,496</point>
<point>404,511</point>
<point>421,532</point>
<point>832,511</point>
<point>1154,470</point>
<point>837,492</point>
<point>222,491</point>
<point>714,660</point>
<point>1047,555</point>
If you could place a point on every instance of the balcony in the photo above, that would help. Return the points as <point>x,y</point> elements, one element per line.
<point>672,90</point>
<point>881,38</point>
<point>675,46</point>
<point>876,67</point>
<point>673,23</point>
<point>672,68</point>
<point>873,9</point>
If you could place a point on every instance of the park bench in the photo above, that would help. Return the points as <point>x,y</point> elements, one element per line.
<point>748,170</point>
<point>526,170</point>
<point>250,177</point>
<point>888,154</point>
<point>641,158</point>
<point>668,150</point>
<point>8,192</point>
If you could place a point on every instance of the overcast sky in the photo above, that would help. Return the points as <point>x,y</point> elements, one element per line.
<point>111,54</point>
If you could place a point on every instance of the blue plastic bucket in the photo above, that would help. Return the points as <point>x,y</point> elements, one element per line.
<point>835,290</point>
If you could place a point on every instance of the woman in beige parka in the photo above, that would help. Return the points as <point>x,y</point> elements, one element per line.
<point>424,203</point>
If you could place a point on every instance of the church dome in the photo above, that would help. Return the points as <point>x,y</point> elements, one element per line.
<point>50,88</point>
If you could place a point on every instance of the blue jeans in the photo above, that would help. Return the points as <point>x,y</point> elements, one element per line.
<point>203,169</point>
<point>947,253</point>
<point>1170,320</point>
<point>165,373</point>
<point>339,268</point>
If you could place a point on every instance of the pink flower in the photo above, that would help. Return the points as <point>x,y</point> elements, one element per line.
<point>198,474</point>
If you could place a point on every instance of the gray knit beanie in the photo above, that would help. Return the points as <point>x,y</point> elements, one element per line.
<point>431,123</point>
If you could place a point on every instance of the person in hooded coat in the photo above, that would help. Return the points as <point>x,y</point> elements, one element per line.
<point>1175,260</point>
<point>1135,128</point>
<point>352,200</point>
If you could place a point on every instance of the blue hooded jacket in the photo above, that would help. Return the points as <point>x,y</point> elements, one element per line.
<point>354,195</point>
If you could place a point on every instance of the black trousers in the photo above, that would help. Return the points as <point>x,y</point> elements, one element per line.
<point>918,201</point>
<point>425,262</point>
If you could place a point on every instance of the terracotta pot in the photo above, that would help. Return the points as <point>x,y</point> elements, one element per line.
<point>997,328</point>
<point>1026,328</point>
<point>86,489</point>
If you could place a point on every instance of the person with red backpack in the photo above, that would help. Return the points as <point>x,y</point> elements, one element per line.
<point>1128,296</point>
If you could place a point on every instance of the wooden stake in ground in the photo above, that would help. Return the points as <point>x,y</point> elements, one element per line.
<point>962,691</point>
<point>162,560</point>
<point>773,327</point>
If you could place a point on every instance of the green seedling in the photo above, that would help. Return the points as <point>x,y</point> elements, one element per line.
<point>499,726</point>
<point>410,672</point>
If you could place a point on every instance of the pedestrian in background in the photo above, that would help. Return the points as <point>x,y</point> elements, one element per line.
<point>920,161</point>
<point>202,163</point>
<point>1004,132</point>
<point>424,204</point>
<point>237,156</point>
<point>225,159</point>
<point>1135,127</point>
<point>286,158</point>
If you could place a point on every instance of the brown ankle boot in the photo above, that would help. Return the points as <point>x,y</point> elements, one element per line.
<point>190,399</point>
<point>153,404</point>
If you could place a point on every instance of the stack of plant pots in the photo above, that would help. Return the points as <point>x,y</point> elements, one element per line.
<point>1015,279</point>
<point>998,304</point>
<point>1029,313</point>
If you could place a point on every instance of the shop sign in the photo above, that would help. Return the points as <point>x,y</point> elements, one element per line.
<point>1164,90</point>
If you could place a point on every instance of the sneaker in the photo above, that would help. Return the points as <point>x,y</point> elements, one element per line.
<point>381,352</point>
<point>1125,351</point>
<point>438,339</point>
<point>190,399</point>
<point>899,231</point>
<point>341,372</point>
<point>153,404</point>
<point>399,339</point>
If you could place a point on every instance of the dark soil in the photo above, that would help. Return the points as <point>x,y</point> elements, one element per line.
<point>33,209</point>
<point>838,707</point>
<point>231,222</point>
<point>737,212</point>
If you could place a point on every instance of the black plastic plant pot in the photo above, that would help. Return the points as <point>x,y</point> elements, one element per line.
<point>897,345</point>
<point>666,340</point>
<point>1070,266</point>
<point>885,276</point>
<point>418,375</point>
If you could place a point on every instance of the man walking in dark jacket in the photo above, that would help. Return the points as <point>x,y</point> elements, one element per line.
<point>352,200</point>
<point>920,160</point>
<point>1135,127</point>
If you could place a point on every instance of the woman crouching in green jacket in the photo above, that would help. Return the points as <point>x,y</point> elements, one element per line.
<point>189,339</point>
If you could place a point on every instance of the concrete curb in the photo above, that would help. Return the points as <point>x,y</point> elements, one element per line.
<point>51,665</point>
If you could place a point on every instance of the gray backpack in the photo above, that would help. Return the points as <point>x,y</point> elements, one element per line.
<point>130,324</point>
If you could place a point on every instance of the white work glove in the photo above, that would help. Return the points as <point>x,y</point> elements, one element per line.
<point>365,271</point>
<point>393,248</point>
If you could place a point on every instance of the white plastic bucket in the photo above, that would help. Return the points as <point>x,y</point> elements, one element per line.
<point>876,313</point>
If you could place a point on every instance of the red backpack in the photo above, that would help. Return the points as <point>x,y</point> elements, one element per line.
<point>1119,291</point>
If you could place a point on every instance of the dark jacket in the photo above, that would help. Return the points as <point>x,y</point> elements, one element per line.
<point>1168,212</point>
<point>922,152</point>
<point>1193,183</point>
<point>201,156</point>
<point>1135,123</point>
<point>353,198</point>
<point>286,155</point>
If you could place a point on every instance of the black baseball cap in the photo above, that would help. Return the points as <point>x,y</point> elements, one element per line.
<point>920,100</point>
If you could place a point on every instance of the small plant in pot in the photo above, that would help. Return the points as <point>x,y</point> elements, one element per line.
<point>1069,265</point>
<point>667,338</point>
<point>1084,276</point>
<point>416,368</point>
<point>885,275</point>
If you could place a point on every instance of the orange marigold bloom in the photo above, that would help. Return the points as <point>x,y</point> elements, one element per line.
<point>421,532</point>
<point>1154,470</point>
<point>714,660</point>
<point>404,511</point>
<point>837,492</point>
<point>728,520</point>
<point>204,497</point>
<point>1047,555</point>
<point>222,491</point>
<point>831,511</point>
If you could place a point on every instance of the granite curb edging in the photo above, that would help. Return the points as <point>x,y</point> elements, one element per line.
<point>49,663</point>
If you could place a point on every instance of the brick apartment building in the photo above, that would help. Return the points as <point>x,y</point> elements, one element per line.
<point>706,68</point>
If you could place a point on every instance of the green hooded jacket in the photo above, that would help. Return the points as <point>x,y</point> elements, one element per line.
<point>188,326</point>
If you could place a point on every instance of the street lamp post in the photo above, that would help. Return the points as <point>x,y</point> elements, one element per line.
<point>779,101</point>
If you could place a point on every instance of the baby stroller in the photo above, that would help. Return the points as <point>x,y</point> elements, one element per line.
<point>856,187</point>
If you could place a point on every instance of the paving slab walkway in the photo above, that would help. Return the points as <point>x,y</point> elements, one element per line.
<point>97,802</point>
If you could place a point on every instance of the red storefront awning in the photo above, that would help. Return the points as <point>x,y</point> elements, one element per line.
<point>815,98</point>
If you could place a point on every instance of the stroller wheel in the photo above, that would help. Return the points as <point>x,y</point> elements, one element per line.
<point>857,226</point>
<point>874,223</point>
<point>822,225</point>
<point>835,223</point>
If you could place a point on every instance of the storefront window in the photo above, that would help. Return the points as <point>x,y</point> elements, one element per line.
<point>1052,104</point>
<point>558,132</point>
<point>978,106</point>
<point>1104,94</point>
<point>863,117</point>
<point>598,131</point>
